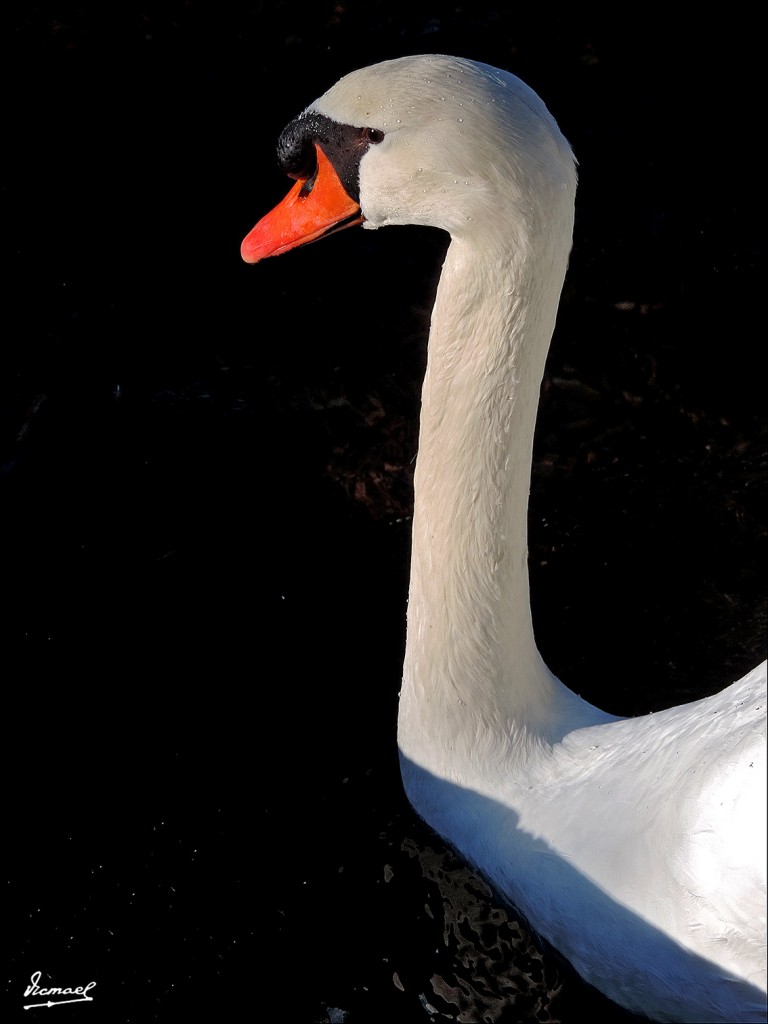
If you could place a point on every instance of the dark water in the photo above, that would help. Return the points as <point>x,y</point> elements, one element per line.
<point>206,498</point>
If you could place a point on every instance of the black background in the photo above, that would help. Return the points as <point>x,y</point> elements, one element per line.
<point>205,484</point>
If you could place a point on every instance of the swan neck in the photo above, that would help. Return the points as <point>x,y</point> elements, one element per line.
<point>470,640</point>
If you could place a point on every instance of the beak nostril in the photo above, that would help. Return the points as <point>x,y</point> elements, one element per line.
<point>307,187</point>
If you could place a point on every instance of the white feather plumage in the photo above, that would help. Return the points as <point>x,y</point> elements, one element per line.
<point>635,846</point>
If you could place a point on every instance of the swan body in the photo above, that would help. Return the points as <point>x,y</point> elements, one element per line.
<point>636,847</point>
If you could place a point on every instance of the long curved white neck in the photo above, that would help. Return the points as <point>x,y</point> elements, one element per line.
<point>472,669</point>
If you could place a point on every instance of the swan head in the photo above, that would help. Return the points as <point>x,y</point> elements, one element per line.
<point>429,140</point>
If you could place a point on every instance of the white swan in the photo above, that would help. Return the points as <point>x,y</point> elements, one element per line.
<point>636,847</point>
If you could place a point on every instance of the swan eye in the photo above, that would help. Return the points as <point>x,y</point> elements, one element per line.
<point>373,135</point>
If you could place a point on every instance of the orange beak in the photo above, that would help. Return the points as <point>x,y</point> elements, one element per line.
<point>315,207</point>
